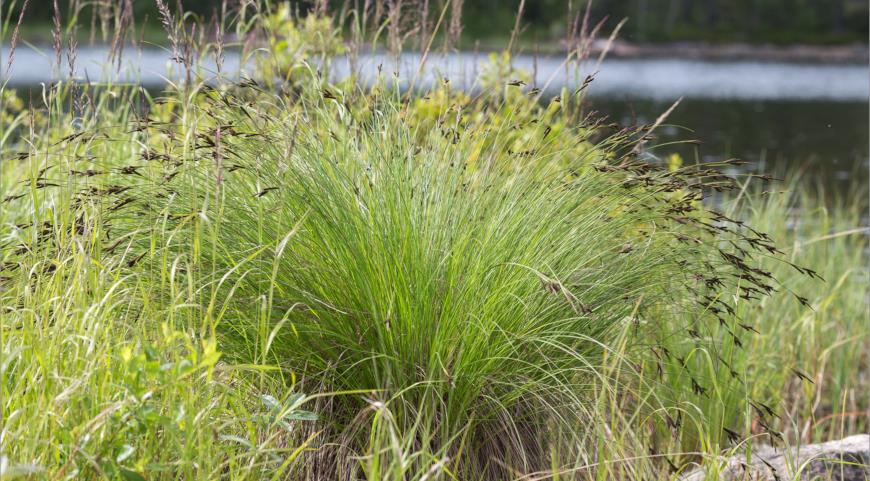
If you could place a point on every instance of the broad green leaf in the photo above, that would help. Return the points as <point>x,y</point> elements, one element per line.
<point>129,475</point>
<point>126,452</point>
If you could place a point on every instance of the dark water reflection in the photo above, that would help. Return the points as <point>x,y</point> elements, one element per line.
<point>826,139</point>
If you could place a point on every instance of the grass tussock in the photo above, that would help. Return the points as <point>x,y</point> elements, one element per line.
<point>301,279</point>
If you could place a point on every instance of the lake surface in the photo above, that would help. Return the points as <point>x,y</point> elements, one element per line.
<point>776,115</point>
<point>826,140</point>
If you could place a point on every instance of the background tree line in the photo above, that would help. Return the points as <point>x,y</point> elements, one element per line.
<point>755,21</point>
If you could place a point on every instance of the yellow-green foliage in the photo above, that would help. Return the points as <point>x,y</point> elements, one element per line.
<point>293,41</point>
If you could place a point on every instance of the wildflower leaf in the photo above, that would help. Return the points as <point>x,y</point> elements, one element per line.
<point>126,452</point>
<point>236,439</point>
<point>130,475</point>
<point>302,416</point>
<point>270,402</point>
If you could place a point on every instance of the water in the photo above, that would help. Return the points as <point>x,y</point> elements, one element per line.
<point>776,115</point>
<point>827,140</point>
<point>656,79</point>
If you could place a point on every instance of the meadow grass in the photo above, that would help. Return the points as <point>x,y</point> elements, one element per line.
<point>829,341</point>
<point>306,280</point>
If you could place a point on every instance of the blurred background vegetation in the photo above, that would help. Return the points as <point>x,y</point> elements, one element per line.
<point>717,21</point>
<point>755,21</point>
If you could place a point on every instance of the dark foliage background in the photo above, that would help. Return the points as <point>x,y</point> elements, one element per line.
<point>756,21</point>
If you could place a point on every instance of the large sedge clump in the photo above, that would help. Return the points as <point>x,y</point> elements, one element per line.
<point>462,276</point>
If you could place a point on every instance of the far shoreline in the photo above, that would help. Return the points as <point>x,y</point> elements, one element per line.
<point>849,53</point>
